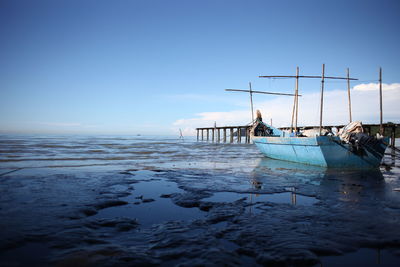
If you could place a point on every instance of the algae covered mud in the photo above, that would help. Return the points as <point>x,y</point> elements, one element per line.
<point>107,200</point>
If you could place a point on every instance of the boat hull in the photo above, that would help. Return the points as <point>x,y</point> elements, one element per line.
<point>324,151</point>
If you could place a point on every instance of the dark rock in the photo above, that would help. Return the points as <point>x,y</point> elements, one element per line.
<point>110,203</point>
<point>89,211</point>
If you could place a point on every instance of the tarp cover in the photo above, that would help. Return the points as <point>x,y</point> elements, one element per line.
<point>352,127</point>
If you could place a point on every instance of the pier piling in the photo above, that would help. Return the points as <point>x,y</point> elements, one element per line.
<point>224,135</point>
<point>218,137</point>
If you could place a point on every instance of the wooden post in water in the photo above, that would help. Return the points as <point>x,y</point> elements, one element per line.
<point>380,101</point>
<point>202,130</point>
<point>238,134</point>
<point>218,135</point>
<point>224,135</point>
<point>393,138</point>
<point>293,196</point>
<point>348,92</point>
<point>208,133</point>
<point>231,135</point>
<point>213,132</point>
<point>197,130</point>
<point>322,98</point>
<point>367,129</point>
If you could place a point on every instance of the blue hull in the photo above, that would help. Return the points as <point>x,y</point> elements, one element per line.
<point>324,151</point>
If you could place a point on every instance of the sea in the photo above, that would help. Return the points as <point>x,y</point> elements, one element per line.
<point>164,201</point>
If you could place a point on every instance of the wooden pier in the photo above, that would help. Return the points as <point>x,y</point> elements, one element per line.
<point>389,129</point>
<point>234,131</point>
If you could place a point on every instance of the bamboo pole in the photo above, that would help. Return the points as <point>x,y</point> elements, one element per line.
<point>294,107</point>
<point>305,76</point>
<point>295,103</point>
<point>380,101</point>
<point>322,98</point>
<point>251,102</point>
<point>348,92</point>
<point>257,92</point>
<point>297,97</point>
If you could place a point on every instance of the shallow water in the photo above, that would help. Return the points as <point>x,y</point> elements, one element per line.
<point>112,200</point>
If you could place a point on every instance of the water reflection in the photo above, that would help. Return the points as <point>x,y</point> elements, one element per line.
<point>271,170</point>
<point>272,176</point>
<point>353,186</point>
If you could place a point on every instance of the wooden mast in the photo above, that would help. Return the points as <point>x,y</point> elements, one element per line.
<point>322,98</point>
<point>348,92</point>
<point>297,96</point>
<point>251,102</point>
<point>380,101</point>
<point>295,103</point>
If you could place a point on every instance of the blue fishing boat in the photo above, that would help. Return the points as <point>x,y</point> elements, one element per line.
<point>351,148</point>
<point>361,151</point>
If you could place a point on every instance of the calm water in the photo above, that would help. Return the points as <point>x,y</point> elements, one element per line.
<point>113,200</point>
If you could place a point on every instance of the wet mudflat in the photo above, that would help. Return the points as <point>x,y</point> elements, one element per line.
<point>158,201</point>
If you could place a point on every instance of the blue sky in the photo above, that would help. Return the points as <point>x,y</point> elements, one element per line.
<point>152,67</point>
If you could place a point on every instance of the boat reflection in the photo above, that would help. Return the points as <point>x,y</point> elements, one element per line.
<point>285,173</point>
<point>295,180</point>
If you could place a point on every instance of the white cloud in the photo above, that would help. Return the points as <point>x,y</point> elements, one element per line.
<point>365,107</point>
<point>375,86</point>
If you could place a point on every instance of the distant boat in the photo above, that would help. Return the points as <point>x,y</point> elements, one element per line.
<point>361,150</point>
